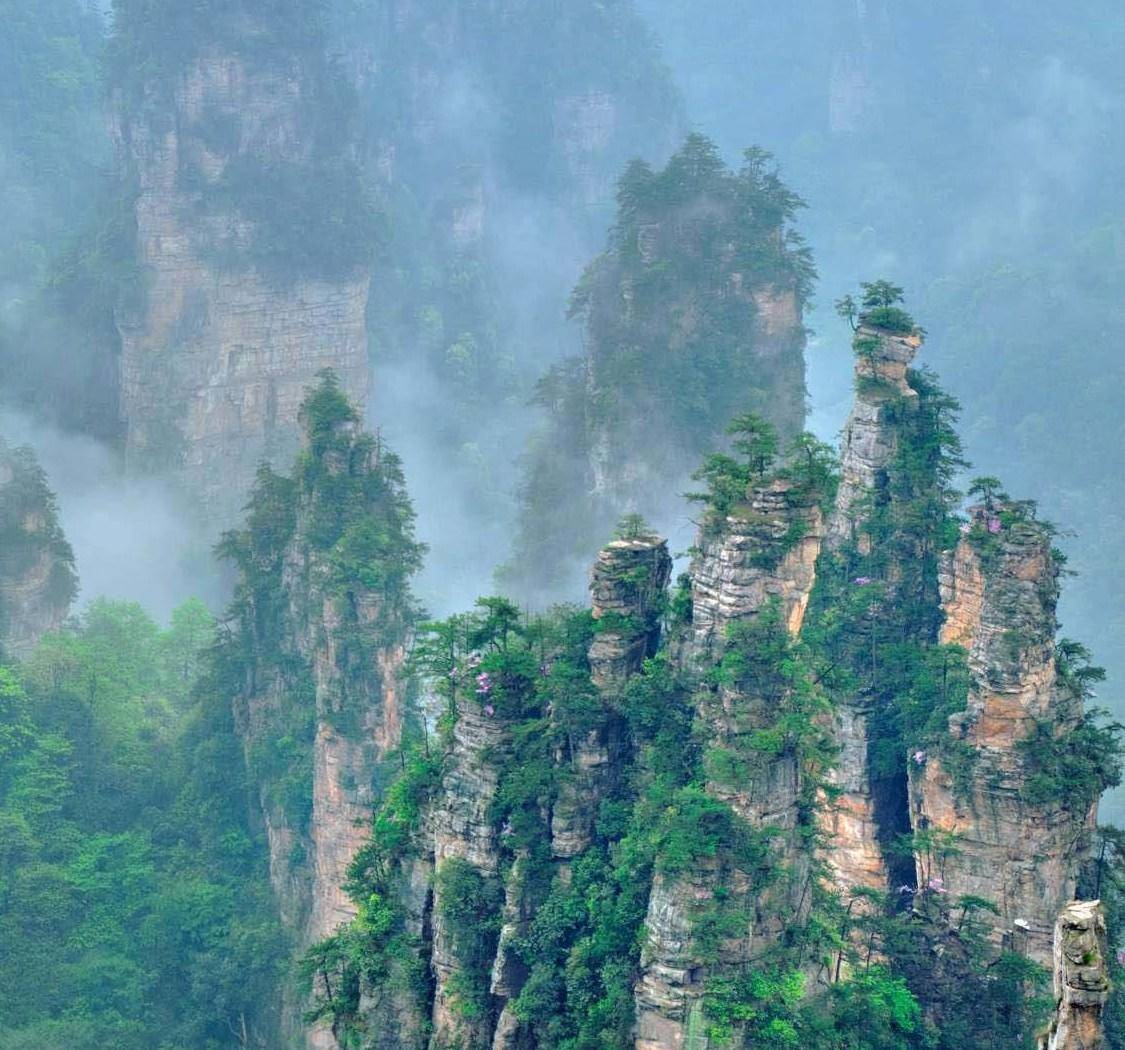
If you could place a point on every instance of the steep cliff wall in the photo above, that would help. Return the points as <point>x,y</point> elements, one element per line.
<point>1018,835</point>
<point>37,580</point>
<point>320,623</point>
<point>248,286</point>
<point>871,441</point>
<point>750,584</point>
<point>627,588</point>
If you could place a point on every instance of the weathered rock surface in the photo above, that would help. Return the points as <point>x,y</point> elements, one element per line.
<point>215,355</point>
<point>729,578</point>
<point>627,587</point>
<point>999,590</point>
<point>1081,980</point>
<point>462,830</point>
<point>335,660</point>
<point>765,552</point>
<point>37,581</point>
<point>854,854</point>
<point>869,443</point>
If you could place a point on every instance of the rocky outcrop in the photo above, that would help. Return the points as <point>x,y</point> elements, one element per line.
<point>734,576</point>
<point>216,352</point>
<point>37,580</point>
<point>674,351</point>
<point>627,588</point>
<point>322,652</point>
<point>761,557</point>
<point>463,831</point>
<point>854,853</point>
<point>1012,847</point>
<point>1081,980</point>
<point>869,438</point>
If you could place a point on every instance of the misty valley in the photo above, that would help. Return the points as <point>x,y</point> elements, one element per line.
<point>561,525</point>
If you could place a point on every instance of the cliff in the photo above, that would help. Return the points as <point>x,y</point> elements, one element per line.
<point>786,796</point>
<point>37,579</point>
<point>318,632</point>
<point>750,580</point>
<point>249,247</point>
<point>1019,833</point>
<point>871,443</point>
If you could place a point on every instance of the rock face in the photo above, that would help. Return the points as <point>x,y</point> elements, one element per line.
<point>1081,980</point>
<point>216,353</point>
<point>321,650</point>
<point>999,591</point>
<point>870,442</point>
<point>627,588</point>
<point>729,579</point>
<point>37,580</point>
<point>462,831</point>
<point>761,557</point>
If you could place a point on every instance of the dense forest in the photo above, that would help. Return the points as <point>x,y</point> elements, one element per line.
<point>437,611</point>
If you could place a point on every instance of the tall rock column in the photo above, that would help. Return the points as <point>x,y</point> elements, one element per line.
<point>229,324</point>
<point>319,627</point>
<point>757,566</point>
<point>466,849</point>
<point>627,587</point>
<point>1013,843</point>
<point>1081,980</point>
<point>870,443</point>
<point>37,580</point>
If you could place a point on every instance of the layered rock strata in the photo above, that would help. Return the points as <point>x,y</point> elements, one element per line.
<point>1081,980</point>
<point>869,445</point>
<point>627,589</point>
<point>463,831</point>
<point>761,556</point>
<point>215,353</point>
<point>999,592</point>
<point>869,439</point>
<point>37,580</point>
<point>323,657</point>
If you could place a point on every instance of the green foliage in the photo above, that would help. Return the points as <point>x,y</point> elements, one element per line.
<point>469,904</point>
<point>810,465</point>
<point>672,311</point>
<point>135,907</point>
<point>879,309</point>
<point>1073,768</point>
<point>30,531</point>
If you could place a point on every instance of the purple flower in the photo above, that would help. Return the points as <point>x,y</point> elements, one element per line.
<point>966,528</point>
<point>484,682</point>
<point>1121,956</point>
<point>936,885</point>
<point>919,757</point>
<point>994,525</point>
<point>489,710</point>
<point>862,581</point>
